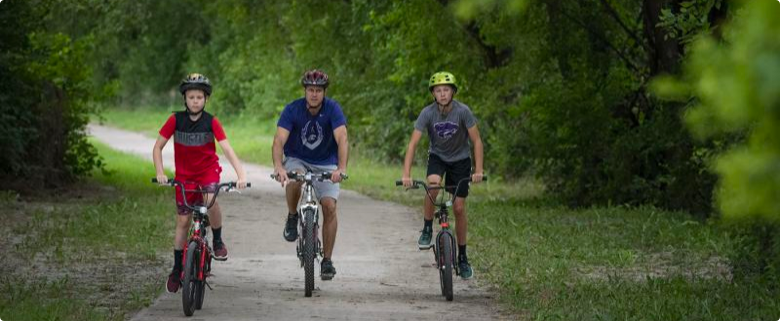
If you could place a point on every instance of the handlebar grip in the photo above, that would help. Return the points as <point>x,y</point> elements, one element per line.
<point>154,180</point>
<point>248,184</point>
<point>399,183</point>
<point>484,178</point>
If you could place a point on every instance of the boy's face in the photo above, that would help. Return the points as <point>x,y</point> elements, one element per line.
<point>195,100</point>
<point>443,94</point>
<point>314,96</point>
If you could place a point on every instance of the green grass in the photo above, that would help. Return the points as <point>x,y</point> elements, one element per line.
<point>549,262</point>
<point>90,252</point>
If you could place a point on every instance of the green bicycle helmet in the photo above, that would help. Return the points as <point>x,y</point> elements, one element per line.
<point>443,78</point>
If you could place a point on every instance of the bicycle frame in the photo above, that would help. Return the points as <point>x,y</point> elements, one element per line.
<point>197,244</point>
<point>445,240</point>
<point>309,247</point>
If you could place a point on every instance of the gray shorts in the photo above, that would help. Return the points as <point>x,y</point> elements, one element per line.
<point>321,189</point>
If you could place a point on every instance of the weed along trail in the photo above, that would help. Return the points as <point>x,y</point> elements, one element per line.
<point>381,275</point>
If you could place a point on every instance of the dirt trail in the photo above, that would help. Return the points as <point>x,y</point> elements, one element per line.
<point>381,274</point>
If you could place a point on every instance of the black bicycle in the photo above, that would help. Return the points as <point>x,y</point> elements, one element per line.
<point>309,245</point>
<point>445,245</point>
<point>197,252</point>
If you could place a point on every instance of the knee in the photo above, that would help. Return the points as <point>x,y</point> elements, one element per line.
<point>183,222</point>
<point>328,206</point>
<point>459,210</point>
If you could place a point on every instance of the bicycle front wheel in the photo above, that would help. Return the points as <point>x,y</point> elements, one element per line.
<point>201,285</point>
<point>190,286</point>
<point>308,250</point>
<point>445,262</point>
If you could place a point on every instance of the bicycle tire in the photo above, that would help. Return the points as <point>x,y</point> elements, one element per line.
<point>308,251</point>
<point>190,287</point>
<point>445,264</point>
<point>201,290</point>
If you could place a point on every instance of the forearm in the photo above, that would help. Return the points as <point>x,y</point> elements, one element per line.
<point>343,154</point>
<point>158,161</point>
<point>237,166</point>
<point>408,158</point>
<point>277,153</point>
<point>478,156</point>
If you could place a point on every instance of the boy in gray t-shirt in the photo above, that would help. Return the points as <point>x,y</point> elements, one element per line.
<point>450,126</point>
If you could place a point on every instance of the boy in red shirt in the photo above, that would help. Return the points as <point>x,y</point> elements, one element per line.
<point>196,160</point>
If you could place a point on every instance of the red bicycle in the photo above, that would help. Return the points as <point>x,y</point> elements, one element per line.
<point>197,252</point>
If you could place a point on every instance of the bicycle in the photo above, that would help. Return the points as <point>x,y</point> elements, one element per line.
<point>445,244</point>
<point>309,246</point>
<point>197,252</point>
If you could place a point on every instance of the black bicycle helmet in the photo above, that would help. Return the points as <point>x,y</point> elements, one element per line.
<point>195,81</point>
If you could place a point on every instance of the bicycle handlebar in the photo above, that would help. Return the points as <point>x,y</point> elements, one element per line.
<point>295,176</point>
<point>417,184</point>
<point>228,185</point>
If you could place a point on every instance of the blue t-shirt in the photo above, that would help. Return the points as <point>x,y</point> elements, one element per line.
<point>311,136</point>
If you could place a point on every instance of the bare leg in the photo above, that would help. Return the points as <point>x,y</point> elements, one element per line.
<point>215,213</point>
<point>182,228</point>
<point>461,220</point>
<point>428,208</point>
<point>293,191</point>
<point>330,225</point>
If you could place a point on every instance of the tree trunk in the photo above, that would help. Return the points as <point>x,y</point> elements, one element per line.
<point>664,56</point>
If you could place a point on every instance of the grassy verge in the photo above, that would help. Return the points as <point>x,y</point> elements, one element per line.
<point>88,252</point>
<point>549,262</point>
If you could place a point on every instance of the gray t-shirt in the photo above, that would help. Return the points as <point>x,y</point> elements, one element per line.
<point>448,133</point>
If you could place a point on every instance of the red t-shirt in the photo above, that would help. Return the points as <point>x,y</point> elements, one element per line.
<point>194,151</point>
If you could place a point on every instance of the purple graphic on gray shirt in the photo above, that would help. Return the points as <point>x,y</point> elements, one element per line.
<point>445,129</point>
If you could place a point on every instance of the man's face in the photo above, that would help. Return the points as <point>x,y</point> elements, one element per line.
<point>195,99</point>
<point>314,96</point>
<point>443,94</point>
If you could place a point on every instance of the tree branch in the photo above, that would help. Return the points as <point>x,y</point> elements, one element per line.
<point>628,62</point>
<point>612,12</point>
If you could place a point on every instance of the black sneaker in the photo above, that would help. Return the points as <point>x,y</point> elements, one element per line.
<point>465,269</point>
<point>291,228</point>
<point>327,271</point>
<point>424,242</point>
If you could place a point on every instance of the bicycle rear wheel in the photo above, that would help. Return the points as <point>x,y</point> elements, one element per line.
<point>445,262</point>
<point>190,286</point>
<point>308,250</point>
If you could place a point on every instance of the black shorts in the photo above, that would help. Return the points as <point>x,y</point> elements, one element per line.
<point>452,172</point>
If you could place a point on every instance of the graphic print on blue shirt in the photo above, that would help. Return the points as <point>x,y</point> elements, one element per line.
<point>311,136</point>
<point>445,129</point>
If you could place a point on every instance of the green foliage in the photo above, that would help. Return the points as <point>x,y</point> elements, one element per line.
<point>736,83</point>
<point>559,88</point>
<point>45,97</point>
<point>690,21</point>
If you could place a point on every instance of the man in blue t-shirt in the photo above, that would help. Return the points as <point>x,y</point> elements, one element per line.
<point>311,134</point>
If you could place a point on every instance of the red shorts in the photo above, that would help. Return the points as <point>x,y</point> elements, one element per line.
<point>207,183</point>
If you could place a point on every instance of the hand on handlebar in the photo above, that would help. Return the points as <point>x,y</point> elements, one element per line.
<point>162,179</point>
<point>241,183</point>
<point>281,176</point>
<point>337,176</point>
<point>477,177</point>
<point>407,181</point>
